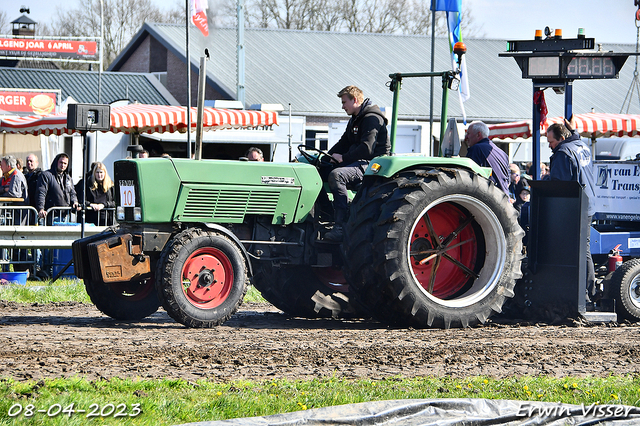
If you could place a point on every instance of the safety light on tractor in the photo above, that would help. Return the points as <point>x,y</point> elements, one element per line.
<point>459,49</point>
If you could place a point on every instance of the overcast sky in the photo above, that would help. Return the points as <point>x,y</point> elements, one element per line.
<point>610,21</point>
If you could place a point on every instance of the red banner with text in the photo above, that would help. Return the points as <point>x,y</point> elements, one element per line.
<point>19,102</point>
<point>48,49</point>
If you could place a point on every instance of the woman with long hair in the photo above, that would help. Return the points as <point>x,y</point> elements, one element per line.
<point>100,195</point>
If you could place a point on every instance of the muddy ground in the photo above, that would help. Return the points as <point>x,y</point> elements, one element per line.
<point>69,339</point>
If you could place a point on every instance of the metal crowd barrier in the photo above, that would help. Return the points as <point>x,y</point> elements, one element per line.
<point>28,242</point>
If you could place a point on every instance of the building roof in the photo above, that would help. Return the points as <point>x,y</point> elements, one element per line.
<point>83,85</point>
<point>23,19</point>
<point>308,68</point>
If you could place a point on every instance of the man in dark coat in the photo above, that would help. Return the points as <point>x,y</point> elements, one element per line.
<point>32,173</point>
<point>487,154</point>
<point>571,160</point>
<point>366,137</point>
<point>55,187</point>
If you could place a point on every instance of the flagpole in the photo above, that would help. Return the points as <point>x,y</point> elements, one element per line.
<point>433,44</point>
<point>187,15</point>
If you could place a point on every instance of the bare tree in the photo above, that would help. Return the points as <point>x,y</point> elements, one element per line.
<point>122,19</point>
<point>4,23</point>
<point>373,16</point>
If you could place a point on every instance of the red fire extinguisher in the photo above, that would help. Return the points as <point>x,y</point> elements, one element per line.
<point>615,260</point>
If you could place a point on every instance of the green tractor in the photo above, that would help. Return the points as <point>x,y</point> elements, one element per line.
<point>430,241</point>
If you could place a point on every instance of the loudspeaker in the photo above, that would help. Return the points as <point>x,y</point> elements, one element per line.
<point>88,117</point>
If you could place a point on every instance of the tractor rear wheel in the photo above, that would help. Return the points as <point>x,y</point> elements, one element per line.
<point>445,249</point>
<point>625,284</point>
<point>124,301</point>
<point>203,278</point>
<point>305,291</point>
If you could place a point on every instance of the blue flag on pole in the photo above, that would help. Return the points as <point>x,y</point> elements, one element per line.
<point>448,5</point>
<point>453,22</point>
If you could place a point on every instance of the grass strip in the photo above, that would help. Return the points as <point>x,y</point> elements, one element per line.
<point>170,402</point>
<point>67,290</point>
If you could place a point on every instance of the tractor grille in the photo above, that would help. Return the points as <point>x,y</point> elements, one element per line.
<point>229,204</point>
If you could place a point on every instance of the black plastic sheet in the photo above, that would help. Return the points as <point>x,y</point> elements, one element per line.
<point>444,412</point>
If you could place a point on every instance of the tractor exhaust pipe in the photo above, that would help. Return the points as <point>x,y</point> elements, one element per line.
<point>202,82</point>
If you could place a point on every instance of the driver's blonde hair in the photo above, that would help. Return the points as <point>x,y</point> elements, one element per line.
<point>353,92</point>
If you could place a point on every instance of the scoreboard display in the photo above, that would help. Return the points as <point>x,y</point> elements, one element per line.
<point>564,59</point>
<point>571,66</point>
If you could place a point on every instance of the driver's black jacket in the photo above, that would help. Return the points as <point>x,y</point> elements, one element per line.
<point>366,136</point>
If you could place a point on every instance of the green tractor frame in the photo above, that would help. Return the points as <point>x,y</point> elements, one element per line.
<point>430,241</point>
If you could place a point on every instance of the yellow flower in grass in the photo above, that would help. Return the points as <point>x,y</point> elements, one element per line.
<point>614,396</point>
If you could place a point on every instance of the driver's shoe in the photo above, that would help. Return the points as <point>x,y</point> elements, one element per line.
<point>336,234</point>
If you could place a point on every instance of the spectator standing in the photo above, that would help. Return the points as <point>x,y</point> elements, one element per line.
<point>33,171</point>
<point>100,195</point>
<point>523,197</point>
<point>517,182</point>
<point>13,183</point>
<point>571,161</point>
<point>55,187</point>
<point>544,171</point>
<point>254,154</point>
<point>485,153</point>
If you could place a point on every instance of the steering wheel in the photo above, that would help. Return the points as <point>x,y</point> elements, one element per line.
<point>314,160</point>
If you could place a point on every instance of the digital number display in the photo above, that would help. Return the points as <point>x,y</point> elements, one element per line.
<point>544,66</point>
<point>591,67</point>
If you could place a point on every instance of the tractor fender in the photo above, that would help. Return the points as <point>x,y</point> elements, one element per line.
<point>233,236</point>
<point>388,166</point>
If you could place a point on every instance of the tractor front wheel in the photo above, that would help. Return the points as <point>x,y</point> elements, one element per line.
<point>204,278</point>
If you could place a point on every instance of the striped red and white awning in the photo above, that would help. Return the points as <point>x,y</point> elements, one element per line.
<point>517,129</point>
<point>592,125</point>
<point>141,118</point>
<point>596,125</point>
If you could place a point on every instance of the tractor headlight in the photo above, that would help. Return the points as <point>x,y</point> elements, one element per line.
<point>137,214</point>
<point>119,214</point>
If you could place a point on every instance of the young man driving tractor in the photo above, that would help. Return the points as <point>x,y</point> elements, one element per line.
<point>366,137</point>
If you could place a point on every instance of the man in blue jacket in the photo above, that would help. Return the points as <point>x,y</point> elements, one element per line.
<point>486,154</point>
<point>366,137</point>
<point>571,160</point>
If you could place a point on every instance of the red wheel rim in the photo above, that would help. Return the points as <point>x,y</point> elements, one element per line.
<point>134,290</point>
<point>443,250</point>
<point>207,278</point>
